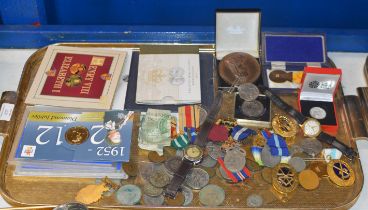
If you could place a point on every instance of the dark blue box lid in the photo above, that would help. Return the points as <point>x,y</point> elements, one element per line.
<point>293,48</point>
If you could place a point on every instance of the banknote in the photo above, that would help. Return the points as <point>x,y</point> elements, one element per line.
<point>155,130</point>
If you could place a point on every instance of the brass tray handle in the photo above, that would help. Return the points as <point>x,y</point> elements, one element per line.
<point>363,104</point>
<point>7,103</point>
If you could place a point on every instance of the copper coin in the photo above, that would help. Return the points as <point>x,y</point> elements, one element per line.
<point>177,201</point>
<point>239,68</point>
<point>169,152</point>
<point>130,169</point>
<point>153,156</point>
<point>308,179</point>
<point>76,135</point>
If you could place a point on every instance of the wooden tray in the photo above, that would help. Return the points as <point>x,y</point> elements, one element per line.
<point>46,193</point>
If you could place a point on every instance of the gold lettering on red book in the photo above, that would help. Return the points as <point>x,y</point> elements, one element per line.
<point>89,79</point>
<point>62,73</point>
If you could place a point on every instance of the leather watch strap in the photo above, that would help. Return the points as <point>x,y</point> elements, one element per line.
<point>299,117</point>
<point>347,151</point>
<point>178,178</point>
<point>207,125</point>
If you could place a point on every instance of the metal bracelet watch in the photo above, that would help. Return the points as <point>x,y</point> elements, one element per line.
<point>310,126</point>
<point>193,153</point>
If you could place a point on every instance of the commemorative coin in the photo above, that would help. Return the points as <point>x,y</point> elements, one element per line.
<point>188,195</point>
<point>151,190</point>
<point>129,194</point>
<point>197,178</point>
<point>76,135</point>
<point>159,179</point>
<point>212,195</point>
<point>248,91</point>
<point>253,109</point>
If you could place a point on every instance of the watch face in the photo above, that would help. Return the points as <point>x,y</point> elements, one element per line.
<point>193,153</point>
<point>312,127</point>
<point>317,113</point>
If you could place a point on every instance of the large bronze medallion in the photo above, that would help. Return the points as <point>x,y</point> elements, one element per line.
<point>76,135</point>
<point>239,68</point>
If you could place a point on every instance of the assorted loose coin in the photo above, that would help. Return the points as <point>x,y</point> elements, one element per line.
<point>308,179</point>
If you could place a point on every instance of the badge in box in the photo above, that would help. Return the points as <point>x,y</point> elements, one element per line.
<point>285,55</point>
<point>316,96</point>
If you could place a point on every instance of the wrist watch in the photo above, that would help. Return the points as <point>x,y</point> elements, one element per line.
<point>193,153</point>
<point>310,126</point>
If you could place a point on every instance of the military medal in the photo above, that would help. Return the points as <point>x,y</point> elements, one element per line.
<point>340,173</point>
<point>76,135</point>
<point>284,178</point>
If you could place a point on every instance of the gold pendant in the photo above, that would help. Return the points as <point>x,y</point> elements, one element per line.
<point>91,193</point>
<point>284,126</point>
<point>284,178</point>
<point>340,173</point>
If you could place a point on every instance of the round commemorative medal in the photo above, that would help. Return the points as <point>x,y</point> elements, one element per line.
<point>129,194</point>
<point>268,159</point>
<point>317,113</point>
<point>238,68</point>
<point>248,91</point>
<point>234,160</point>
<point>284,178</point>
<point>197,178</point>
<point>212,195</point>
<point>76,135</point>
<point>253,109</point>
<point>153,200</point>
<point>340,173</point>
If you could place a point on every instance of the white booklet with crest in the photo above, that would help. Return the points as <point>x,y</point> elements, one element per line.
<point>168,79</point>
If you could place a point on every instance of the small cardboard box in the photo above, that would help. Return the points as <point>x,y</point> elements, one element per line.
<point>316,96</point>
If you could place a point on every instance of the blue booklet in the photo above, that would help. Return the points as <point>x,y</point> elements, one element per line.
<point>95,137</point>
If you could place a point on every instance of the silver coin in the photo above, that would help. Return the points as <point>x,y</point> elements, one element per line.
<point>214,150</point>
<point>129,194</point>
<point>254,200</point>
<point>317,113</point>
<point>208,162</point>
<point>197,178</point>
<point>311,146</point>
<point>71,206</point>
<point>298,163</point>
<point>146,169</point>
<point>153,200</point>
<point>253,108</point>
<point>295,149</point>
<point>188,195</point>
<point>173,164</point>
<point>248,92</point>
<point>224,175</point>
<point>268,159</point>
<point>151,190</point>
<point>159,179</point>
<point>212,195</point>
<point>234,161</point>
